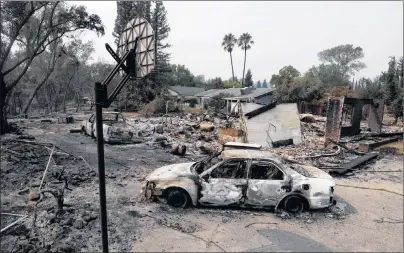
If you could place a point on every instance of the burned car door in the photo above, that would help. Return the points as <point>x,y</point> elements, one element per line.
<point>224,184</point>
<point>89,125</point>
<point>266,183</point>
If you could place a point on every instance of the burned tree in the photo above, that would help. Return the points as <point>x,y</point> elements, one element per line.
<point>30,28</point>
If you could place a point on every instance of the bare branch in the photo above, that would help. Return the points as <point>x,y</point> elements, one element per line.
<point>17,31</point>
<point>15,35</point>
<point>40,25</point>
<point>21,61</point>
<point>36,53</point>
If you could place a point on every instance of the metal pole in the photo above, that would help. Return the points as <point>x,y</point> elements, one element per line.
<point>99,101</point>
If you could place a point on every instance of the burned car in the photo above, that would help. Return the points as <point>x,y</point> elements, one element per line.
<point>245,178</point>
<point>115,128</point>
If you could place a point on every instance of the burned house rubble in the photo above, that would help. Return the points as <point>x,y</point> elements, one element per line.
<point>344,116</point>
<point>257,156</point>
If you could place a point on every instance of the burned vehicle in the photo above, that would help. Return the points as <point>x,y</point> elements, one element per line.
<point>115,128</point>
<point>245,178</point>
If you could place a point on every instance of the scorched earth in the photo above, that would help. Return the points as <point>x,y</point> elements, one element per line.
<point>364,219</point>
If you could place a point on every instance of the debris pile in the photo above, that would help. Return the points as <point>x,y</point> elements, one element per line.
<point>36,178</point>
<point>197,133</point>
<point>202,134</point>
<point>340,157</point>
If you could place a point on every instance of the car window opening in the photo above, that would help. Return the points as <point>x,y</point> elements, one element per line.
<point>265,171</point>
<point>205,164</point>
<point>230,169</point>
<point>109,117</point>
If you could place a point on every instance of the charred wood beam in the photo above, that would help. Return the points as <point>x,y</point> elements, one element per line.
<point>388,134</point>
<point>353,164</point>
<point>346,148</point>
<point>366,147</point>
<point>254,113</point>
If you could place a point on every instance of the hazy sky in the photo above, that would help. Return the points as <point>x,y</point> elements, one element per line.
<point>285,33</point>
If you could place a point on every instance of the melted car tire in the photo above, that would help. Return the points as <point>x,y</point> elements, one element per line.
<point>177,198</point>
<point>293,204</point>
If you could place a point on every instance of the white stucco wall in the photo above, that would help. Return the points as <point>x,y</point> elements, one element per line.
<point>284,117</point>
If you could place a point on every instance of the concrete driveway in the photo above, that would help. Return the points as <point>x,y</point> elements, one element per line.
<point>373,223</point>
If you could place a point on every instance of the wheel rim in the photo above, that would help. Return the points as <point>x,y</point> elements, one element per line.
<point>178,199</point>
<point>293,205</point>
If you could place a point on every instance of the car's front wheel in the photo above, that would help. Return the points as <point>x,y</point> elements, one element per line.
<point>293,204</point>
<point>177,198</point>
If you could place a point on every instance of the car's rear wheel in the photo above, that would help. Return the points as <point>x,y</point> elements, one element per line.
<point>293,204</point>
<point>177,198</point>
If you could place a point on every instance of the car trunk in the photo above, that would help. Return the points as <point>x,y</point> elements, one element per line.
<point>310,171</point>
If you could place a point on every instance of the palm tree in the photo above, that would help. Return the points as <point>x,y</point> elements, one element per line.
<point>228,43</point>
<point>245,42</point>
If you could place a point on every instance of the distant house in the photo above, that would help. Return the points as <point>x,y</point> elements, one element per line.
<point>205,96</point>
<point>183,92</point>
<point>249,97</point>
<point>250,100</point>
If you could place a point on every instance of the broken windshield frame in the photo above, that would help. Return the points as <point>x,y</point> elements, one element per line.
<point>204,164</point>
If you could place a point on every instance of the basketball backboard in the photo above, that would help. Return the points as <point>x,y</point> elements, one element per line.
<point>145,51</point>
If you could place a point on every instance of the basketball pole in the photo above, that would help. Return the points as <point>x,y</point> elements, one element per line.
<point>129,37</point>
<point>99,102</point>
<point>102,101</point>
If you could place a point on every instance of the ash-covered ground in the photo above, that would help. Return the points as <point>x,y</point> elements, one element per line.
<point>136,225</point>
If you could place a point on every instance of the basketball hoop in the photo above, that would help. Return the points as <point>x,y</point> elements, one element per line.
<point>145,51</point>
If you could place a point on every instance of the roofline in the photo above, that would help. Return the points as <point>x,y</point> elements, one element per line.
<point>260,110</point>
<point>247,96</point>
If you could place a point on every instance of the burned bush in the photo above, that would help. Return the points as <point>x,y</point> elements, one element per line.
<point>159,105</point>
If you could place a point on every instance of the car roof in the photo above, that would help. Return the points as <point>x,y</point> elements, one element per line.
<point>250,154</point>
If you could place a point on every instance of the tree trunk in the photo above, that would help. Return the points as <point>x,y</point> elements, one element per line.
<point>3,115</point>
<point>232,69</point>
<point>19,105</point>
<point>31,97</point>
<point>78,103</point>
<point>64,101</point>
<point>14,105</point>
<point>245,55</point>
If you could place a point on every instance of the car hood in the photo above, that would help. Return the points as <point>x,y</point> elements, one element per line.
<point>171,171</point>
